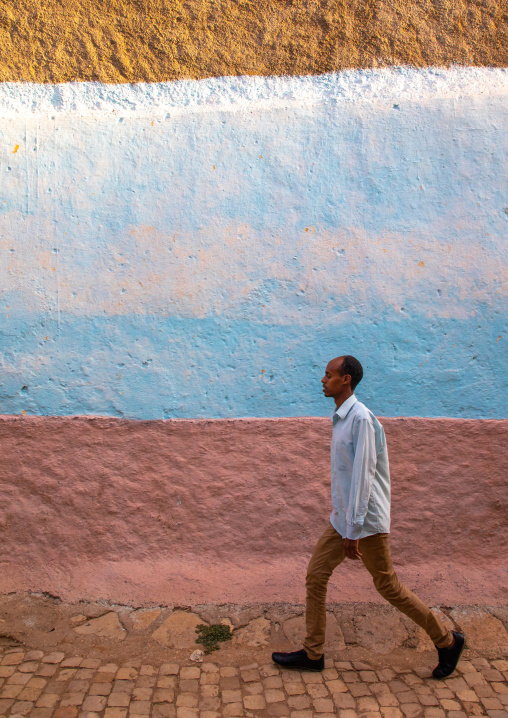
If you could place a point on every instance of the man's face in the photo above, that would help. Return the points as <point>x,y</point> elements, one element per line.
<point>333,381</point>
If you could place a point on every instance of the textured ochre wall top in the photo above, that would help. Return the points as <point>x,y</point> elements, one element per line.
<point>156,40</point>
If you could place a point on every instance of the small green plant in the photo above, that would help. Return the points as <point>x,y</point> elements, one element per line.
<point>209,636</point>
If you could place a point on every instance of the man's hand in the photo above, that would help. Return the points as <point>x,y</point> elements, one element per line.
<point>351,547</point>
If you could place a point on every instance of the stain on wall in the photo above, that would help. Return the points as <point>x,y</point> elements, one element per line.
<point>155,40</point>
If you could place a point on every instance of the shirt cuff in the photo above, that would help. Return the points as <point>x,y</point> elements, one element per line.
<point>353,531</point>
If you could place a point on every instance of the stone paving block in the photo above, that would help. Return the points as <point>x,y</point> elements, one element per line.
<point>169,669</point>
<point>211,691</point>
<point>29,694</point>
<point>48,700</point>
<point>209,679</point>
<point>501,664</point>
<point>233,710</point>
<point>367,703</point>
<point>412,710</point>
<point>428,700</point>
<point>274,695</point>
<point>252,688</point>
<point>37,655</point>
<point>13,659</point>
<point>269,669</point>
<point>359,689</point>
<point>450,705</point>
<point>387,700</point>
<point>497,687</point>
<point>55,657</point>
<point>18,679</point>
<point>230,696</point>
<point>254,703</point>
<point>251,675</point>
<point>230,684</point>
<point>142,694</point>
<point>94,703</point>
<point>68,712</point>
<point>126,674</point>
<point>6,671</point>
<point>302,714</point>
<point>277,710</point>
<point>317,690</point>
<point>300,702</point>
<point>72,699</point>
<point>66,674</point>
<point>146,681</point>
<point>294,689</point>
<point>11,691</point>
<point>166,682</point>
<point>124,686</point>
<point>350,677</point>
<point>115,713</point>
<point>139,708</point>
<point>434,712</point>
<point>344,700</point>
<point>190,672</point>
<point>161,695</point>
<point>164,710</point>
<point>323,705</point>
<point>209,704</point>
<point>312,677</point>
<point>189,686</point>
<point>497,714</point>
<point>209,714</point>
<point>31,666</point>
<point>41,713</point>
<point>473,709</point>
<point>118,700</point>
<point>392,712</point>
<point>187,700</point>
<point>272,682</point>
<point>5,704</point>
<point>228,671</point>
<point>72,662</point>
<point>407,697</point>
<point>22,708</point>
<point>78,686</point>
<point>100,689</point>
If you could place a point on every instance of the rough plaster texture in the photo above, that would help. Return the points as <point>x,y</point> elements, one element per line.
<point>207,252</point>
<point>183,512</point>
<point>153,40</point>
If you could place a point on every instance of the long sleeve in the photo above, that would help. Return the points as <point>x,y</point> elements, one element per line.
<point>364,469</point>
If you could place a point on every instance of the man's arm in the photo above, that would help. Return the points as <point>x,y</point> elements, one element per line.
<point>364,469</point>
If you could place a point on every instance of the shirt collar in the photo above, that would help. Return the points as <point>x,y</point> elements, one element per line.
<point>344,408</point>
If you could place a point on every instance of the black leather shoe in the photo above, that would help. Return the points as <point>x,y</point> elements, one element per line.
<point>449,657</point>
<point>298,659</point>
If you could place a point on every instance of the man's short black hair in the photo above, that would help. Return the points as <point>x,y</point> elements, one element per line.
<point>352,366</point>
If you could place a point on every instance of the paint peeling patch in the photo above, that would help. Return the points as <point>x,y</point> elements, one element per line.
<point>15,149</point>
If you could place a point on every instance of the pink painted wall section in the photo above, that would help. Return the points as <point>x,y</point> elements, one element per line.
<point>190,511</point>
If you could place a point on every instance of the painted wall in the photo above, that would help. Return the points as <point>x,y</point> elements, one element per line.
<point>202,249</point>
<point>183,512</point>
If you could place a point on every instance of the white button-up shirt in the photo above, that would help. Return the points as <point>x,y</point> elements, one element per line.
<point>360,472</point>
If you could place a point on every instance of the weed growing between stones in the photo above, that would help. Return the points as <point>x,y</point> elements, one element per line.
<point>209,636</point>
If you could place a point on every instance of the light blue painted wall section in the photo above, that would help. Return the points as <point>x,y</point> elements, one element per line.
<point>209,264</point>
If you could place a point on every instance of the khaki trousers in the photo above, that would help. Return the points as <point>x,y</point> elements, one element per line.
<point>376,557</point>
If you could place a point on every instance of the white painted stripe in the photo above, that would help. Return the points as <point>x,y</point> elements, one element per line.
<point>244,93</point>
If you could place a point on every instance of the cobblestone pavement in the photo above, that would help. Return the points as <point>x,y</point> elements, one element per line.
<point>53,685</point>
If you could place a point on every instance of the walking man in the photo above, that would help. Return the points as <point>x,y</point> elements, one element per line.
<point>359,525</point>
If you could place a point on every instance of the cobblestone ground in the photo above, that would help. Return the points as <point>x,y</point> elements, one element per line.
<point>54,685</point>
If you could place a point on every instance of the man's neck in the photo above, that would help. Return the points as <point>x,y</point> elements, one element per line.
<point>339,400</point>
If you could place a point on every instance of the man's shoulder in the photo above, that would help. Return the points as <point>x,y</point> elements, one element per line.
<point>363,413</point>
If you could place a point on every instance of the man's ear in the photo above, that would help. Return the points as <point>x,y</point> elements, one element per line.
<point>347,378</point>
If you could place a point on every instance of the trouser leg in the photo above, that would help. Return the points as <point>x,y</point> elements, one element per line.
<point>328,554</point>
<point>377,559</point>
